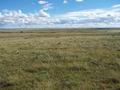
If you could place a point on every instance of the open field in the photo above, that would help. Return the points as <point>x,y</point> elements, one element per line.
<point>60,60</point>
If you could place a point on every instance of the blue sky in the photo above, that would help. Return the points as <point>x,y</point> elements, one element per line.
<point>59,13</point>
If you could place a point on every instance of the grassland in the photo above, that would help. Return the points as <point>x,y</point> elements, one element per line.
<point>60,60</point>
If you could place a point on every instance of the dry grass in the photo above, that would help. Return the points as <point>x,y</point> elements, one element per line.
<point>60,60</point>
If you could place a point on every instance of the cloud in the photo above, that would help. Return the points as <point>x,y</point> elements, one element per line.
<point>93,17</point>
<point>116,6</point>
<point>42,2</point>
<point>65,1</point>
<point>45,5</point>
<point>42,13</point>
<point>109,17</point>
<point>79,0</point>
<point>18,18</point>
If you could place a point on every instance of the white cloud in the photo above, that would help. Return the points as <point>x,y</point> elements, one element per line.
<point>116,6</point>
<point>45,4</point>
<point>65,1</point>
<point>42,13</point>
<point>109,17</point>
<point>19,18</point>
<point>42,2</point>
<point>79,0</point>
<point>93,17</point>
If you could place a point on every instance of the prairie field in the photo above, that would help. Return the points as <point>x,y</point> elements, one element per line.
<point>73,59</point>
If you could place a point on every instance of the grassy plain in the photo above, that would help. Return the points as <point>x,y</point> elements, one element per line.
<point>60,59</point>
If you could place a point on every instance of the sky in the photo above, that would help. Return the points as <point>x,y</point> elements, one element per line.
<point>59,13</point>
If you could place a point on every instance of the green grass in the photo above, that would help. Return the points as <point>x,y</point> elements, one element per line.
<point>60,60</point>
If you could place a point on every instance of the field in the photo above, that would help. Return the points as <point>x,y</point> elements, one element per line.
<point>82,59</point>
